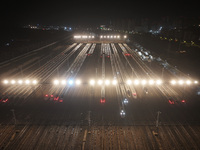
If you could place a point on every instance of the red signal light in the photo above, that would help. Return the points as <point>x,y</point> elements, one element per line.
<point>5,100</point>
<point>171,102</point>
<point>127,54</point>
<point>102,101</point>
<point>183,101</point>
<point>56,98</point>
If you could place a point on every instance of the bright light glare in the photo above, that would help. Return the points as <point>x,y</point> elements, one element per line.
<point>180,82</point>
<point>173,82</point>
<point>34,82</point>
<point>77,36</point>
<point>122,113</point>
<point>129,82</point>
<point>125,36</point>
<point>84,36</point>
<point>63,82</point>
<point>56,82</point>
<point>144,82</point>
<point>78,82</point>
<point>20,81</point>
<point>151,82</point>
<point>27,81</point>
<point>71,82</point>
<point>114,82</point>
<point>13,81</point>
<point>107,82</point>
<point>136,82</point>
<point>100,82</point>
<point>5,81</point>
<point>188,82</point>
<point>158,82</point>
<point>92,82</point>
<point>195,82</point>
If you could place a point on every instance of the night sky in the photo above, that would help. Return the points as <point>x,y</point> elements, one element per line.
<point>91,12</point>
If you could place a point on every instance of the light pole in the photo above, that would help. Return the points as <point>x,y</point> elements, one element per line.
<point>157,121</point>
<point>13,112</point>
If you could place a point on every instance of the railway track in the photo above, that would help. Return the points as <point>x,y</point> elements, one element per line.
<point>46,125</point>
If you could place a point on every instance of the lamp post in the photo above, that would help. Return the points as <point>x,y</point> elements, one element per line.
<point>13,112</point>
<point>157,121</point>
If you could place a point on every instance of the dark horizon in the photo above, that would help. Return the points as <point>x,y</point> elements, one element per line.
<point>92,14</point>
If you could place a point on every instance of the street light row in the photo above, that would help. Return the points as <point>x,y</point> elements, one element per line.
<point>21,82</point>
<point>101,37</point>
<point>111,36</point>
<point>183,82</point>
<point>99,82</point>
<point>83,37</point>
<point>107,82</point>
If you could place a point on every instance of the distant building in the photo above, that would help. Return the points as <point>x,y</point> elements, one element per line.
<point>48,27</point>
<point>105,28</point>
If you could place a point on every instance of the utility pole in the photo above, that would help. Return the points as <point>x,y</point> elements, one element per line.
<point>157,121</point>
<point>14,118</point>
